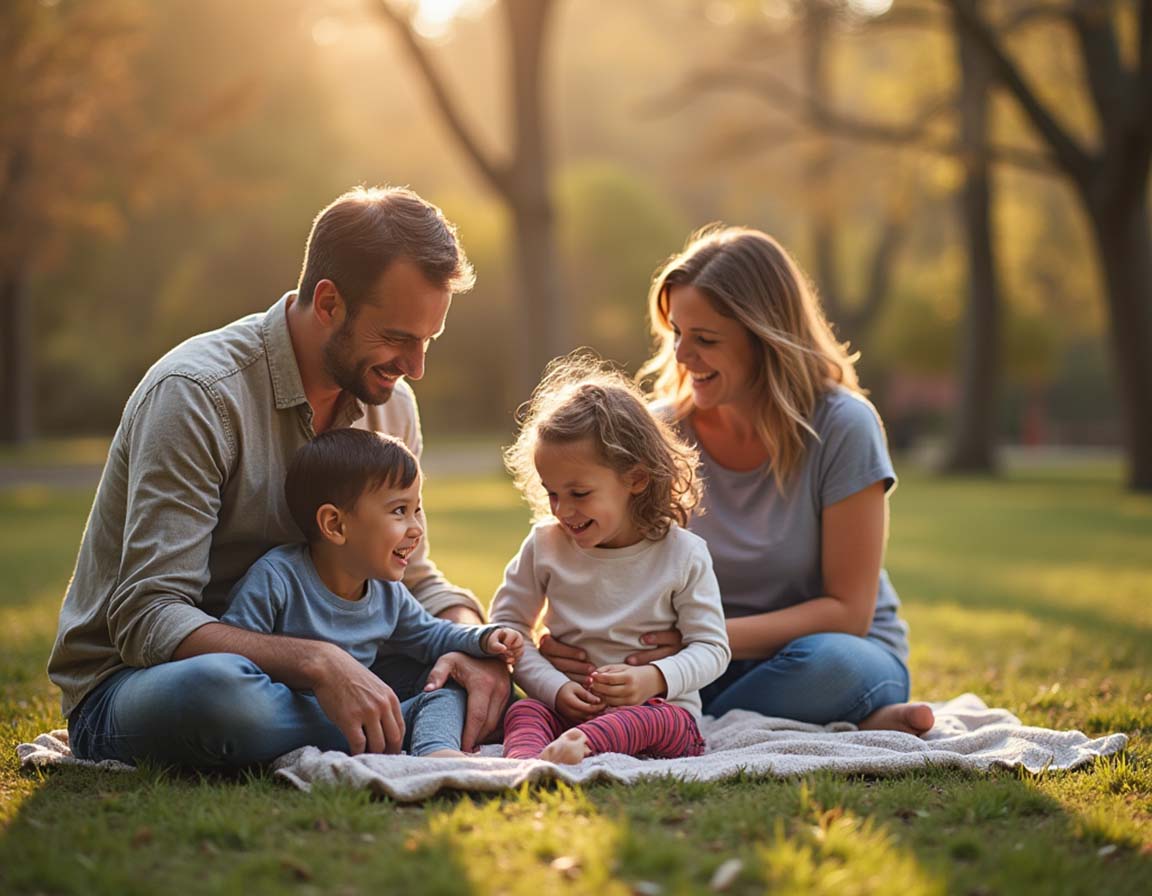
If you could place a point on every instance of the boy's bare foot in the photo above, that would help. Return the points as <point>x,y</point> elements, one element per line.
<point>441,753</point>
<point>913,718</point>
<point>568,749</point>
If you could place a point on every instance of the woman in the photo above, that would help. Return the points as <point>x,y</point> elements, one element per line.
<point>796,474</point>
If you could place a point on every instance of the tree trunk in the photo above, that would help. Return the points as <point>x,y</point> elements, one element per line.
<point>529,193</point>
<point>973,445</point>
<point>1124,244</point>
<point>543,327</point>
<point>16,416</point>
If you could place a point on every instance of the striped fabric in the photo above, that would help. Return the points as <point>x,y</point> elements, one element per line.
<point>657,730</point>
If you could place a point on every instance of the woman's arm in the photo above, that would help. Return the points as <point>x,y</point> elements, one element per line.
<point>853,535</point>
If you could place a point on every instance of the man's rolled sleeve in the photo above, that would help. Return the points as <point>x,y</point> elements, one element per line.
<point>178,447</point>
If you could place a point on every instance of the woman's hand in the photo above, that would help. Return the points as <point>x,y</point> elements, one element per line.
<point>569,660</point>
<point>621,685</point>
<point>664,644</point>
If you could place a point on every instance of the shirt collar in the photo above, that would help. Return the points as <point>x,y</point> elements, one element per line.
<point>285,370</point>
<point>286,383</point>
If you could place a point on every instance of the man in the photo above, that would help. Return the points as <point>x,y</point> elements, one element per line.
<point>192,494</point>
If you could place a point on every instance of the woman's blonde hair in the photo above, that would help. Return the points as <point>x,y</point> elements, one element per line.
<point>582,397</point>
<point>746,275</point>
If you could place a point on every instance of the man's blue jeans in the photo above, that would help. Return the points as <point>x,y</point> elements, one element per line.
<point>822,678</point>
<point>221,711</point>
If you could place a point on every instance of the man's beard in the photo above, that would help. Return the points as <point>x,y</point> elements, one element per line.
<point>350,376</point>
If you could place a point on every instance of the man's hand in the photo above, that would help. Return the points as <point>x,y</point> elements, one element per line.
<point>569,660</point>
<point>364,708</point>
<point>506,643</point>
<point>619,685</point>
<point>461,615</point>
<point>488,685</point>
<point>576,705</point>
<point>665,643</point>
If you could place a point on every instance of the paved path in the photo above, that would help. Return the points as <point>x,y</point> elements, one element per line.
<point>460,461</point>
<point>481,460</point>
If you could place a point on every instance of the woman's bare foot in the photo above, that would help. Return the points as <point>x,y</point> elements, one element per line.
<point>443,753</point>
<point>568,749</point>
<point>913,718</point>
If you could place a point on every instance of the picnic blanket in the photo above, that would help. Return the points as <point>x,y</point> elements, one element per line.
<point>967,734</point>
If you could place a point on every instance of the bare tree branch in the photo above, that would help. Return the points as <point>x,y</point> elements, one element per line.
<point>1144,62</point>
<point>882,265</point>
<point>1039,12</point>
<point>496,173</point>
<point>1071,156</point>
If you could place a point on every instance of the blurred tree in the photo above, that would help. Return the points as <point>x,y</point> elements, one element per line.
<point>616,226</point>
<point>853,311</point>
<point>973,442</point>
<point>67,130</point>
<point>801,104</point>
<point>523,179</point>
<point>1110,178</point>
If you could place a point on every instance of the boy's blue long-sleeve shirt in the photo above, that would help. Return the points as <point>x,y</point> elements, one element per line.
<point>282,594</point>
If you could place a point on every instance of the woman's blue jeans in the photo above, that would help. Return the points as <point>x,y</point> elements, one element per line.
<point>221,711</point>
<point>829,677</point>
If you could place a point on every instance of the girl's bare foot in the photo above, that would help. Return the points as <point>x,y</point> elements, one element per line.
<point>568,749</point>
<point>442,753</point>
<point>913,718</point>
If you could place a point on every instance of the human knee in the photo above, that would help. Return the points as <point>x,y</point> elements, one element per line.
<point>220,689</point>
<point>834,655</point>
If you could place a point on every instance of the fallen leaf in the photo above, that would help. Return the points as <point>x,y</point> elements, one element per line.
<point>297,869</point>
<point>726,875</point>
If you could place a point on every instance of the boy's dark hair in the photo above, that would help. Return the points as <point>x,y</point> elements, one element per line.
<point>339,466</point>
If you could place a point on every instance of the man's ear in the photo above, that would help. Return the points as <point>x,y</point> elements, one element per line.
<point>327,304</point>
<point>330,522</point>
<point>638,480</point>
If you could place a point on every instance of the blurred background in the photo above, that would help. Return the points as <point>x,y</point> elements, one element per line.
<point>966,181</point>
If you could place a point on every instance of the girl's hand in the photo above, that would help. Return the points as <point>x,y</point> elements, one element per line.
<point>569,660</point>
<point>576,705</point>
<point>506,643</point>
<point>665,643</point>
<point>620,685</point>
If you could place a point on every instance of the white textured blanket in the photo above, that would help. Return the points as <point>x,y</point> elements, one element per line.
<point>967,735</point>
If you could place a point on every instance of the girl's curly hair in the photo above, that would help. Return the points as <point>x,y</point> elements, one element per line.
<point>582,397</point>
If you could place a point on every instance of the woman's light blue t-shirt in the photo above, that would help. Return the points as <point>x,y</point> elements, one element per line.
<point>765,545</point>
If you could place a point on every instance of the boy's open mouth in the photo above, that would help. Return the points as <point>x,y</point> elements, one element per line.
<point>579,528</point>
<point>404,553</point>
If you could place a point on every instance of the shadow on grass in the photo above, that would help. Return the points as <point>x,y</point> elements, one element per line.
<point>925,832</point>
<point>931,831</point>
<point>89,832</point>
<point>930,590</point>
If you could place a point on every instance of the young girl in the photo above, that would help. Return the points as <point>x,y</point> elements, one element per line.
<point>611,486</point>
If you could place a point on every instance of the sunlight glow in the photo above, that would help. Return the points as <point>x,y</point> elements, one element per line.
<point>870,7</point>
<point>433,18</point>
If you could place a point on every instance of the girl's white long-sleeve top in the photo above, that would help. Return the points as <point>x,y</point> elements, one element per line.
<point>603,599</point>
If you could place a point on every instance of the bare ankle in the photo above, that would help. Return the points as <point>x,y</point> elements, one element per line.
<point>568,749</point>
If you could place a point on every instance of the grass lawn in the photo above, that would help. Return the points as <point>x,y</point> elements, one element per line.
<point>1035,593</point>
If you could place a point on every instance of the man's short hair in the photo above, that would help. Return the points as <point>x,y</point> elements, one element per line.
<point>338,467</point>
<point>359,234</point>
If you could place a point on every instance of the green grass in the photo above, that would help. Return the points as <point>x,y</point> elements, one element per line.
<point>1035,593</point>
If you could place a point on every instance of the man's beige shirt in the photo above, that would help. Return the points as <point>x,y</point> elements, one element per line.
<point>193,493</point>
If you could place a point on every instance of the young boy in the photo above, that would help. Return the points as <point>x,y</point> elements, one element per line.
<point>356,496</point>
